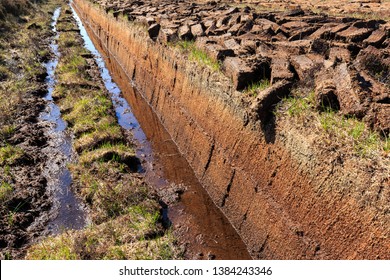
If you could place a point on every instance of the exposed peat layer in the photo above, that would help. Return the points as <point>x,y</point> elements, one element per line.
<point>283,116</point>
<point>25,201</point>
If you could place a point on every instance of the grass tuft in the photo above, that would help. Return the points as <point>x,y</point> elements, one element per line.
<point>198,55</point>
<point>386,145</point>
<point>347,131</point>
<point>5,191</point>
<point>299,106</point>
<point>254,88</point>
<point>10,154</point>
<point>53,248</point>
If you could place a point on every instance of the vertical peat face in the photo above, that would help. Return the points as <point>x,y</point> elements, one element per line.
<point>198,224</point>
<point>287,199</point>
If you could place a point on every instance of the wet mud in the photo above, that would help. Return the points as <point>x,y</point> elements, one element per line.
<point>68,212</point>
<point>42,202</point>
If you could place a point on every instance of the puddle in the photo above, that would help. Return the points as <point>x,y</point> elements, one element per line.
<point>207,231</point>
<point>68,211</point>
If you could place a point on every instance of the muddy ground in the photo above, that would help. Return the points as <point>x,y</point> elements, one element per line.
<point>25,212</point>
<point>126,219</point>
<point>25,200</point>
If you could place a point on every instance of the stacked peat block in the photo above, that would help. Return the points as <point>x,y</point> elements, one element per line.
<point>346,60</point>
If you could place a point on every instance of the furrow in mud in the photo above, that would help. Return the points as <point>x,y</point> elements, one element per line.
<point>67,211</point>
<point>26,200</point>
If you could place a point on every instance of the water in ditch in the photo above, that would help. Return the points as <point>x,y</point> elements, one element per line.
<point>67,210</point>
<point>196,219</point>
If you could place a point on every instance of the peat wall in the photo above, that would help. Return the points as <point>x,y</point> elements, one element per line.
<point>283,198</point>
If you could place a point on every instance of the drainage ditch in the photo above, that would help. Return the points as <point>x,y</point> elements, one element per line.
<point>196,220</point>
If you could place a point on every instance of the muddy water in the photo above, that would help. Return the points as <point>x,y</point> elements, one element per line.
<point>196,219</point>
<point>67,211</point>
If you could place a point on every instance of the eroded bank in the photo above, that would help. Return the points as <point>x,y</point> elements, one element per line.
<point>285,197</point>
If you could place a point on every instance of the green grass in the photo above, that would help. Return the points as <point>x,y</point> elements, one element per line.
<point>5,191</point>
<point>10,154</point>
<point>44,54</point>
<point>101,132</point>
<point>299,106</point>
<point>346,131</point>
<point>72,70</point>
<point>254,88</point>
<point>113,240</point>
<point>111,12</point>
<point>12,213</point>
<point>198,55</point>
<point>142,219</point>
<point>359,15</point>
<point>7,171</point>
<point>124,17</point>
<point>134,233</point>
<point>72,67</point>
<point>108,152</point>
<point>88,110</point>
<point>65,24</point>
<point>34,69</point>
<point>11,92</point>
<point>22,52</point>
<point>6,131</point>
<point>54,248</point>
<point>364,141</point>
<point>386,145</point>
